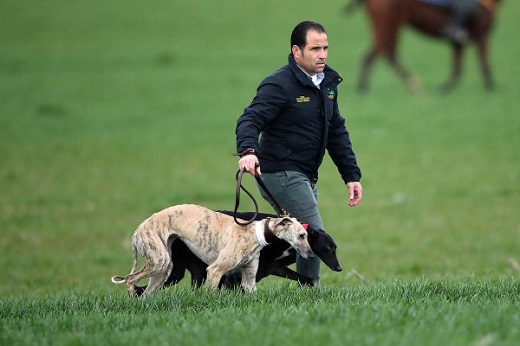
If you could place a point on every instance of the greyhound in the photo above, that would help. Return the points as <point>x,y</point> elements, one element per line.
<point>274,259</point>
<point>214,238</point>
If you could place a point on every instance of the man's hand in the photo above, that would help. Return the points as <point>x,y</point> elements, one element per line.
<point>355,192</point>
<point>250,164</point>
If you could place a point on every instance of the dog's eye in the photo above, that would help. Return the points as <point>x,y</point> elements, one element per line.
<point>302,236</point>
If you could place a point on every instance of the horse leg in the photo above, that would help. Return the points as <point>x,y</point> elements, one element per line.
<point>484,63</point>
<point>456,70</point>
<point>412,83</point>
<point>389,38</point>
<point>366,65</point>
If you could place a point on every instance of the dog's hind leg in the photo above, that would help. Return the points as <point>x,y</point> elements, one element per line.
<point>132,279</point>
<point>158,274</point>
<point>162,268</point>
<point>157,267</point>
<point>157,270</point>
<point>157,281</point>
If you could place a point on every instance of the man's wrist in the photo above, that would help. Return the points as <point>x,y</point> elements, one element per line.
<point>248,151</point>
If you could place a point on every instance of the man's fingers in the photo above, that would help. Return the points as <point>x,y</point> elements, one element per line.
<point>355,193</point>
<point>249,163</point>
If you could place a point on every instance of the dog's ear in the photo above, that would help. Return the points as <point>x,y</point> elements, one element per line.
<point>285,220</point>
<point>312,233</point>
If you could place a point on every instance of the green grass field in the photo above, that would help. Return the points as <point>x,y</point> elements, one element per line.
<point>110,111</point>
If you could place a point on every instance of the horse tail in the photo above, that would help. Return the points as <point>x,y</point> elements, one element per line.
<point>352,6</point>
<point>119,280</point>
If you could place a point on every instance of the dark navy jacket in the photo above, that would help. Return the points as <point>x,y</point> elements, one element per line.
<point>291,122</point>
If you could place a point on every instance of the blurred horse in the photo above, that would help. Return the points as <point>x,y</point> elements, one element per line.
<point>389,16</point>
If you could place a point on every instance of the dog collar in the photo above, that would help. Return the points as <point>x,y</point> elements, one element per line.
<point>260,234</point>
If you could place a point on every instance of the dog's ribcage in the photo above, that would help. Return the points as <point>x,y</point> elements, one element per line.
<point>206,233</point>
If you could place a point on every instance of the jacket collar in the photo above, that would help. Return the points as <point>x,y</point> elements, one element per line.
<point>330,74</point>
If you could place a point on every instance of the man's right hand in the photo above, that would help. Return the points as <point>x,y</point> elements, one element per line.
<point>250,164</point>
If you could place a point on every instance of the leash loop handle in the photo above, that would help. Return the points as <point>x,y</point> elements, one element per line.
<point>281,211</point>
<point>239,175</point>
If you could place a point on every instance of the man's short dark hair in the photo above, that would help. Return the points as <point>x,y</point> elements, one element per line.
<point>299,33</point>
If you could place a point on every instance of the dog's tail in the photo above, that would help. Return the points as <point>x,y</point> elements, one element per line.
<point>119,280</point>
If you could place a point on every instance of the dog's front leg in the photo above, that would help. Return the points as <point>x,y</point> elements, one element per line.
<point>282,271</point>
<point>214,274</point>
<point>249,275</point>
<point>228,259</point>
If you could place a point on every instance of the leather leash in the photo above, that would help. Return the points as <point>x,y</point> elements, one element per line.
<point>279,209</point>
<point>239,175</point>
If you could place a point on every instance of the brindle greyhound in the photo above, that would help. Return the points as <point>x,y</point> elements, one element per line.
<point>213,237</point>
<point>274,259</point>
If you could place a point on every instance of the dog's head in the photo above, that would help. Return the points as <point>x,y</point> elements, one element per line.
<point>324,247</point>
<point>290,230</point>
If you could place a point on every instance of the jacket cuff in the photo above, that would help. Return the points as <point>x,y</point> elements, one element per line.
<point>248,151</point>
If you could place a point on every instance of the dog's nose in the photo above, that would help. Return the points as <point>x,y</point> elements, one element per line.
<point>338,268</point>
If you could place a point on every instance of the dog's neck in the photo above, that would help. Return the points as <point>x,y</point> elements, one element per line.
<point>268,234</point>
<point>264,235</point>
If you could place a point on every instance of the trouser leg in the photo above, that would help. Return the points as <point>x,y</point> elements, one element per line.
<point>299,197</point>
<point>462,10</point>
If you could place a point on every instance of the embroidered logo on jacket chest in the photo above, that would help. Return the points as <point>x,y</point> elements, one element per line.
<point>303,99</point>
<point>331,94</point>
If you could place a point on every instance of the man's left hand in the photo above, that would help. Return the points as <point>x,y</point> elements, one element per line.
<point>355,192</point>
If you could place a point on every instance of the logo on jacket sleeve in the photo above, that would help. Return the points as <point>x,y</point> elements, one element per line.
<point>331,94</point>
<point>303,99</point>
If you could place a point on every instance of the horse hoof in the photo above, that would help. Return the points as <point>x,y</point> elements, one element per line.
<point>447,87</point>
<point>414,85</point>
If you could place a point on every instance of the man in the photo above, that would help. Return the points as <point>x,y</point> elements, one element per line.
<point>292,120</point>
<point>461,12</point>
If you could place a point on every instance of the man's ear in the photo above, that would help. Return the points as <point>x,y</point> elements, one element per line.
<point>296,52</point>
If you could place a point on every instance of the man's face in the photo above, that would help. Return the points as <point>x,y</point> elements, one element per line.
<point>313,57</point>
